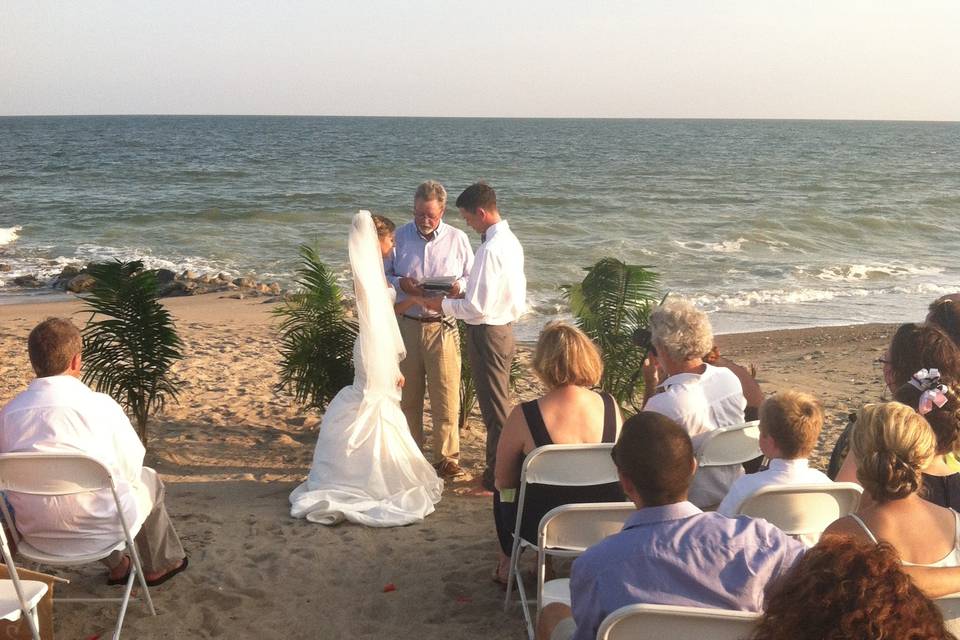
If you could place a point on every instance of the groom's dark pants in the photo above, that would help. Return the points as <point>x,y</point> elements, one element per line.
<point>490,349</point>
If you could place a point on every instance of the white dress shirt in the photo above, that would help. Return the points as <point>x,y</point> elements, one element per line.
<point>61,414</point>
<point>497,288</point>
<point>781,472</point>
<point>446,253</point>
<point>701,403</point>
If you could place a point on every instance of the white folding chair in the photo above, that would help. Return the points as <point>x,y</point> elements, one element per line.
<point>950,608</point>
<point>659,621</point>
<point>803,510</point>
<point>568,531</point>
<point>19,597</point>
<point>730,445</point>
<point>63,474</point>
<point>571,465</point>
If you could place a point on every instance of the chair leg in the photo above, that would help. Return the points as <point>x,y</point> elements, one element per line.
<point>127,590</point>
<point>135,558</point>
<point>33,621</point>
<point>514,559</point>
<point>525,605</point>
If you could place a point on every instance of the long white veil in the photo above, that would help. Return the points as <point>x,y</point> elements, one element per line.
<point>381,347</point>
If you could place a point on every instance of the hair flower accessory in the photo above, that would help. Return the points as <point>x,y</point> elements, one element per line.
<point>932,391</point>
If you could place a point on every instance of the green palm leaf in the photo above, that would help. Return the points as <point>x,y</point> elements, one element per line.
<point>316,335</point>
<point>130,341</point>
<point>612,301</point>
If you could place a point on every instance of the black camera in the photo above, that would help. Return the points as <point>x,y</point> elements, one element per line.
<point>644,339</point>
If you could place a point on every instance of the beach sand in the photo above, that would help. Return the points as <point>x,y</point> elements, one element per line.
<point>232,449</point>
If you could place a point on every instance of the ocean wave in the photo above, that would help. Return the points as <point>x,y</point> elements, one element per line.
<point>775,297</point>
<point>9,235</point>
<point>864,272</point>
<point>725,246</point>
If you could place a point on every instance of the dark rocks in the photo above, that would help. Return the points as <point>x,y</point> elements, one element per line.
<point>30,281</point>
<point>80,283</point>
<point>179,288</point>
<point>188,283</point>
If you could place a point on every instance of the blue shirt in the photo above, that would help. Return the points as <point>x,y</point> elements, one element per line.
<point>446,253</point>
<point>678,555</point>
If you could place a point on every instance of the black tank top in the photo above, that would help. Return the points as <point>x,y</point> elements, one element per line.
<point>541,498</point>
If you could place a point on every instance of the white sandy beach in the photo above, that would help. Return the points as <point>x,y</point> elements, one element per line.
<point>232,449</point>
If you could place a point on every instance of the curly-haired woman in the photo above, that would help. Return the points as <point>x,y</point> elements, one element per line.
<point>849,589</point>
<point>892,444</point>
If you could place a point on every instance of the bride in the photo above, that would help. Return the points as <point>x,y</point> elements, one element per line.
<point>366,466</point>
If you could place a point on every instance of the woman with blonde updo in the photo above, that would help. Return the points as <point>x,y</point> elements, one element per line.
<point>892,444</point>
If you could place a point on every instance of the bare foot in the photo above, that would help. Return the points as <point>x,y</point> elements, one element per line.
<point>157,578</point>
<point>501,574</point>
<point>474,488</point>
<point>118,575</point>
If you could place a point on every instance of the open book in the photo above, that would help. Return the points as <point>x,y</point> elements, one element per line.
<point>440,283</point>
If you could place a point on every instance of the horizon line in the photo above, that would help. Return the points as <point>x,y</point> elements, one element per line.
<point>409,117</point>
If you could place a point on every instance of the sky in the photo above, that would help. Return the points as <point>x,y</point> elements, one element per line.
<point>830,59</point>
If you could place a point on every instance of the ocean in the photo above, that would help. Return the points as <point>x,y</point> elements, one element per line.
<point>766,224</point>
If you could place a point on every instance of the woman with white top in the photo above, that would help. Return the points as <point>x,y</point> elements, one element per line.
<point>892,444</point>
<point>697,395</point>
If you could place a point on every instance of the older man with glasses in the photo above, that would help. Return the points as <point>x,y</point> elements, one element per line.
<point>431,256</point>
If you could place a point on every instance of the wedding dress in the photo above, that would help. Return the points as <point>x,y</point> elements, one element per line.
<point>366,466</point>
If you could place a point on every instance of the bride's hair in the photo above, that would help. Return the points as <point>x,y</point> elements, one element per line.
<point>384,226</point>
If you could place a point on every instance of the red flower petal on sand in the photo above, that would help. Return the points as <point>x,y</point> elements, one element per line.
<point>389,587</point>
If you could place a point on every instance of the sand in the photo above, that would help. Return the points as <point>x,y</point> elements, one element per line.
<point>232,449</point>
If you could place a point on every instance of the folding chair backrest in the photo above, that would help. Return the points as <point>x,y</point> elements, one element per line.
<point>48,474</point>
<point>570,465</point>
<point>655,622</point>
<point>578,526</point>
<point>730,445</point>
<point>803,509</point>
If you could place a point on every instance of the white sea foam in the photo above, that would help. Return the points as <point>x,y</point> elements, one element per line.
<point>725,246</point>
<point>9,235</point>
<point>864,272</point>
<point>775,297</point>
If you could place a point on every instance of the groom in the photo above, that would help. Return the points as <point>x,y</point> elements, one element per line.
<point>495,298</point>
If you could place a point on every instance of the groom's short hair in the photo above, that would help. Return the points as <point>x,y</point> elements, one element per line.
<point>476,196</point>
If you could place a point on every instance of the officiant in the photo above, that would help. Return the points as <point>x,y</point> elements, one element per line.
<point>431,258</point>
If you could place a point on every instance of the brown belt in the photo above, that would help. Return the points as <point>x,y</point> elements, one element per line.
<point>425,318</point>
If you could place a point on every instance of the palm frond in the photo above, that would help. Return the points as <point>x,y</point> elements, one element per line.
<point>613,300</point>
<point>316,335</point>
<point>130,340</point>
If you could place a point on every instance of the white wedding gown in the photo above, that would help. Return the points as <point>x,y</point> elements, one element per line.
<point>366,466</point>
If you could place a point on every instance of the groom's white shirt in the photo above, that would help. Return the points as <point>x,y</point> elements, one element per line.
<point>497,288</point>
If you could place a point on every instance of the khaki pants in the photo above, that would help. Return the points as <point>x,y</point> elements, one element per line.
<point>491,349</point>
<point>433,353</point>
<point>157,541</point>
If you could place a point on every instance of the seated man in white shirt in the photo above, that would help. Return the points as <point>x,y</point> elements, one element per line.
<point>697,395</point>
<point>790,423</point>
<point>58,413</point>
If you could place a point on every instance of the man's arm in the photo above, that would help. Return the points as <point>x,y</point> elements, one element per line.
<point>389,269</point>
<point>481,291</point>
<point>466,253</point>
